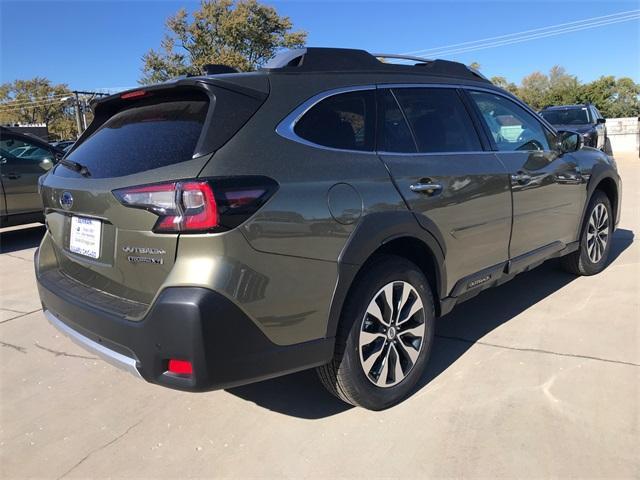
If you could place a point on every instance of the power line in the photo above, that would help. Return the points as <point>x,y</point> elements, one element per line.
<point>37,99</point>
<point>526,35</point>
<point>42,103</point>
<point>533,37</point>
<point>586,20</point>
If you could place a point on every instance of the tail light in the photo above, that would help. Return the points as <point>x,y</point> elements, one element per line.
<point>194,206</point>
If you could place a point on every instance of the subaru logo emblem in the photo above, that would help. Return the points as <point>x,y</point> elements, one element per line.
<point>66,200</point>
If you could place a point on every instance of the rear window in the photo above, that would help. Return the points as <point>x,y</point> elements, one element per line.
<point>566,116</point>
<point>141,138</point>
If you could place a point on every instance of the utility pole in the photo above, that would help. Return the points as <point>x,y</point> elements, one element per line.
<point>78,119</point>
<point>84,115</point>
<point>81,114</point>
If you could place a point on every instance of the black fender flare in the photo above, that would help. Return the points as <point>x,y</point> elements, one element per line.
<point>372,232</point>
<point>600,172</point>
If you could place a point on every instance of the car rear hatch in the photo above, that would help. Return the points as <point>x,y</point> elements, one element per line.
<point>104,204</point>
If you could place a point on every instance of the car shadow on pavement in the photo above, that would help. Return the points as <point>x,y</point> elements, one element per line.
<point>21,239</point>
<point>301,394</point>
<point>472,320</point>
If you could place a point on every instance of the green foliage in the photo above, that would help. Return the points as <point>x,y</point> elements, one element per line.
<point>503,83</point>
<point>37,101</point>
<point>613,97</point>
<point>240,33</point>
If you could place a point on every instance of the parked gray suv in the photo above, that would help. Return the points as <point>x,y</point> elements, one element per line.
<point>218,230</point>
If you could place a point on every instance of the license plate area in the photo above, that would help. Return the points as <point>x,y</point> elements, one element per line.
<point>85,236</point>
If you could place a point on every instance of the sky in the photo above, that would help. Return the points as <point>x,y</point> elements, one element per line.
<point>99,44</point>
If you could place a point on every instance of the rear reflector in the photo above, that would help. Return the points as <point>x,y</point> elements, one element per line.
<point>180,367</point>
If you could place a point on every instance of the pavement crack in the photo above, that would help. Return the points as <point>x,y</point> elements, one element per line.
<point>20,316</point>
<point>19,258</point>
<point>11,310</point>
<point>58,353</point>
<point>538,350</point>
<point>15,347</point>
<point>96,450</point>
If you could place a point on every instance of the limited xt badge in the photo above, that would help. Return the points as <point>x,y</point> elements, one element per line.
<point>144,251</point>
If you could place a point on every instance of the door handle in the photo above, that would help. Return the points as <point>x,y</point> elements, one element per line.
<point>12,176</point>
<point>521,178</point>
<point>426,188</point>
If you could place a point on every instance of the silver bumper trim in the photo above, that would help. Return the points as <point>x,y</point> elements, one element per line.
<point>114,358</point>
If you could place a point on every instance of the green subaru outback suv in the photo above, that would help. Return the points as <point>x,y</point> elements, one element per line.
<point>218,230</point>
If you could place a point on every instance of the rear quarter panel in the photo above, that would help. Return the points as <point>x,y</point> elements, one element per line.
<point>297,220</point>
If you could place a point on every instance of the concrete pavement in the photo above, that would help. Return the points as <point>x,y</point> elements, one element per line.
<point>537,378</point>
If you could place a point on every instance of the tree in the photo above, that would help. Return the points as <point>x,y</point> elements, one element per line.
<point>37,101</point>
<point>533,90</point>
<point>475,65</point>
<point>614,98</point>
<point>240,33</point>
<point>563,88</point>
<point>502,82</point>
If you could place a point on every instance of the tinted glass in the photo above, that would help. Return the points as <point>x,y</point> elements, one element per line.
<point>142,138</point>
<point>345,121</point>
<point>16,150</point>
<point>512,127</point>
<point>439,120</point>
<point>395,135</point>
<point>566,116</point>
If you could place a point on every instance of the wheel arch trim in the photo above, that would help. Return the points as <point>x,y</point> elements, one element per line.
<point>374,231</point>
<point>602,173</point>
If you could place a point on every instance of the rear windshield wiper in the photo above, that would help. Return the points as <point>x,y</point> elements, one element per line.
<point>75,166</point>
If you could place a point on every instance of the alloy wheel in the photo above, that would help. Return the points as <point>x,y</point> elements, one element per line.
<point>597,233</point>
<point>392,334</point>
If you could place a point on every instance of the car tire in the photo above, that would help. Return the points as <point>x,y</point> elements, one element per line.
<point>595,238</point>
<point>381,350</point>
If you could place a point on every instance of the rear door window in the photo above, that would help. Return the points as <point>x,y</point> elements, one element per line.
<point>345,121</point>
<point>395,135</point>
<point>143,137</point>
<point>439,120</point>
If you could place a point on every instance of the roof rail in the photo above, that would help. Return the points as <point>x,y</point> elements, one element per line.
<point>402,57</point>
<point>314,59</point>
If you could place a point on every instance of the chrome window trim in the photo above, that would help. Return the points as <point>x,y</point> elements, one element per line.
<point>439,154</point>
<point>287,125</point>
<point>286,128</point>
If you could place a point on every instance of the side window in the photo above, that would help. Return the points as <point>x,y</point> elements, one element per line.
<point>512,127</point>
<point>16,151</point>
<point>439,120</point>
<point>345,121</point>
<point>395,135</point>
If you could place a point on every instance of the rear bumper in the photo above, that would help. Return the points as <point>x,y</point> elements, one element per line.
<point>225,347</point>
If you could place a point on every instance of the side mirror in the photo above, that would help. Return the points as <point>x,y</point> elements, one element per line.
<point>569,141</point>
<point>601,121</point>
<point>46,164</point>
